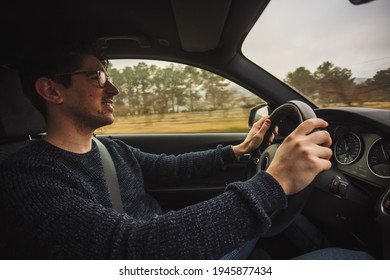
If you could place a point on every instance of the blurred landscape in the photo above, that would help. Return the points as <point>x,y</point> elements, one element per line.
<point>185,99</point>
<point>234,120</point>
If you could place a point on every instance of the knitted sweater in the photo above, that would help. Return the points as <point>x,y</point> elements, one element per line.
<point>55,205</point>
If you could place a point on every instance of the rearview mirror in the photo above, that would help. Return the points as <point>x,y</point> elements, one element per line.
<point>257,113</point>
<point>359,2</point>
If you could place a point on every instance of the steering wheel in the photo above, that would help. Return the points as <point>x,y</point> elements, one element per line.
<point>298,111</point>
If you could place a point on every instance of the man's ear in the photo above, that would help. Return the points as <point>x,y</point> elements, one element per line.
<point>48,90</point>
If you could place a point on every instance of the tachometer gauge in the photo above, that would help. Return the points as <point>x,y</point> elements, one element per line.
<point>347,148</point>
<point>379,158</point>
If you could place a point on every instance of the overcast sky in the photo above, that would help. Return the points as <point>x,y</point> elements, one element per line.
<point>290,34</point>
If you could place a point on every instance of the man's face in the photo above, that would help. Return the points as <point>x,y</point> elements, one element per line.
<point>86,103</point>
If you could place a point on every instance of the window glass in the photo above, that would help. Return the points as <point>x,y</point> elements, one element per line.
<point>163,97</point>
<point>333,52</point>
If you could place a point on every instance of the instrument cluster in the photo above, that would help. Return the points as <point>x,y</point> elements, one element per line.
<point>362,153</point>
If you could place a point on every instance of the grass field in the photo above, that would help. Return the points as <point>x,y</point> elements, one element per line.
<point>235,120</point>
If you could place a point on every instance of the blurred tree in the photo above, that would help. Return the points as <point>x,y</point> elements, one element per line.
<point>129,88</point>
<point>334,84</point>
<point>328,84</point>
<point>376,89</point>
<point>217,96</point>
<point>302,80</point>
<point>170,86</point>
<point>192,81</point>
<point>143,83</point>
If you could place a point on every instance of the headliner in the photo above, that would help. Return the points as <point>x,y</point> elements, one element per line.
<point>181,30</point>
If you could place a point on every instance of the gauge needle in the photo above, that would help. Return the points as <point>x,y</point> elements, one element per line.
<point>384,153</point>
<point>346,146</point>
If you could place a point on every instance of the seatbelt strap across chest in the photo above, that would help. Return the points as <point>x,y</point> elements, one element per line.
<point>111,176</point>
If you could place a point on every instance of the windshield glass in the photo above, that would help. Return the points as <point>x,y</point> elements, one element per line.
<point>333,52</point>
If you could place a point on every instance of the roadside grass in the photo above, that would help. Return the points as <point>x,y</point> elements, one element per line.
<point>235,120</point>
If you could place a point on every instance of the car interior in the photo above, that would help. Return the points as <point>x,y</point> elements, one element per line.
<point>349,204</point>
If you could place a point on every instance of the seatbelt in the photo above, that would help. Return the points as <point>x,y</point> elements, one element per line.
<point>111,176</point>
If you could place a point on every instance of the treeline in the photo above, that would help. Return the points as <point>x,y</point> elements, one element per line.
<point>149,89</point>
<point>331,84</point>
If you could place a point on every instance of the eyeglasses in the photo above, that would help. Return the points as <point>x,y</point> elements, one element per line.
<point>101,76</point>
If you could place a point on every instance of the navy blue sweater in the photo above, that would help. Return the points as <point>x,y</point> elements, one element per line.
<point>55,205</point>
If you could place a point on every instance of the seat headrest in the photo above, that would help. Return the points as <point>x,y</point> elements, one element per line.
<point>18,117</point>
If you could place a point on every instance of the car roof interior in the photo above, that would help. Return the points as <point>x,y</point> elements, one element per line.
<point>157,29</point>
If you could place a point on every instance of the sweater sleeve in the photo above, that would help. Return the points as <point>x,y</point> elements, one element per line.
<point>52,218</point>
<point>184,166</point>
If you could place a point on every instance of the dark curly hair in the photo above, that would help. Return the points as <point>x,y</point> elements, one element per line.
<point>50,60</point>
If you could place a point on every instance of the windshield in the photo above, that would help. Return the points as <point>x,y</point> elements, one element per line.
<point>332,52</point>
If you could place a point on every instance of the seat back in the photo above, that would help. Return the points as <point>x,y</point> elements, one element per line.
<point>20,121</point>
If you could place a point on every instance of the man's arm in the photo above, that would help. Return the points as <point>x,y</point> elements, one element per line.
<point>55,218</point>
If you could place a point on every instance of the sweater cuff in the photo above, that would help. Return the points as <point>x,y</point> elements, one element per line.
<point>227,154</point>
<point>262,193</point>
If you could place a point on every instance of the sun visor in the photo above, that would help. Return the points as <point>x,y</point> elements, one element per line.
<point>200,23</point>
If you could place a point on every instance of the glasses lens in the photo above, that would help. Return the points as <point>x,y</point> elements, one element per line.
<point>102,78</point>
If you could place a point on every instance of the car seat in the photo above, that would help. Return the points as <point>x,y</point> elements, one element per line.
<point>20,121</point>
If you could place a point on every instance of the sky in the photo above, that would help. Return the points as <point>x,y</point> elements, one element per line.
<point>290,34</point>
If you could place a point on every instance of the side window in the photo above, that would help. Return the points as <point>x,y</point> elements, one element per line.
<point>161,97</point>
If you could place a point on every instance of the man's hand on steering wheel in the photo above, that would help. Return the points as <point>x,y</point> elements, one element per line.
<point>302,156</point>
<point>255,137</point>
<point>295,163</point>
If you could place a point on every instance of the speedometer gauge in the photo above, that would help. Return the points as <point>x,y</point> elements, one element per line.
<point>347,148</point>
<point>379,158</point>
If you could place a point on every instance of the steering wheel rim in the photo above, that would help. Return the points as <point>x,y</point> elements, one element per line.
<point>282,218</point>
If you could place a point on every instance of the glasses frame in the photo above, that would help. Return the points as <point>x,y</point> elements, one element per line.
<point>99,74</point>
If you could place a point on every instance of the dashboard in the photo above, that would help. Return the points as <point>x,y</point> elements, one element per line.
<point>361,143</point>
<point>361,152</point>
<point>351,201</point>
